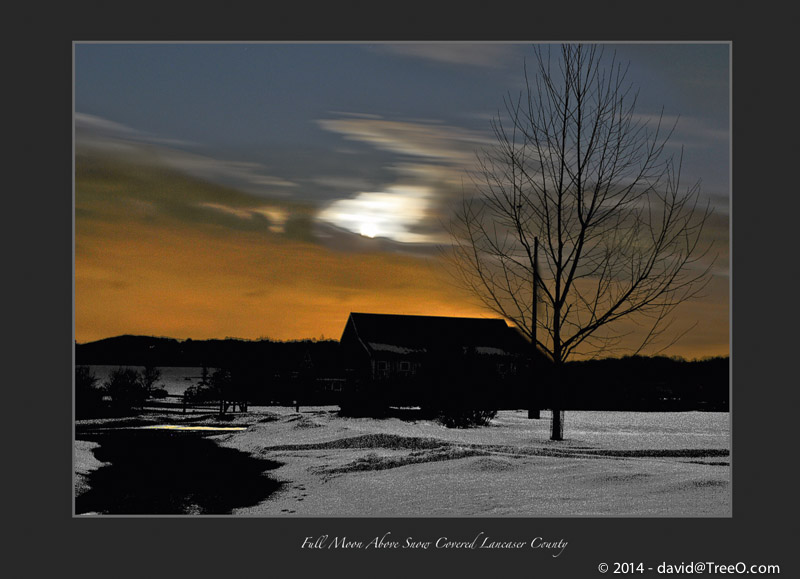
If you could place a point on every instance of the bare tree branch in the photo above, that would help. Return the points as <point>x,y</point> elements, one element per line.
<point>574,166</point>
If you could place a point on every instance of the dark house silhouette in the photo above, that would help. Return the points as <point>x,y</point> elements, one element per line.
<point>435,361</point>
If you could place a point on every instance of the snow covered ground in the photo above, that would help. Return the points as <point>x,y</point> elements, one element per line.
<point>611,464</point>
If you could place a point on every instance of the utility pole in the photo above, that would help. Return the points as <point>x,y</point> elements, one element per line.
<point>533,407</point>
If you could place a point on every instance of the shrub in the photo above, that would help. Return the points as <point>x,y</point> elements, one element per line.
<point>222,381</point>
<point>201,394</point>
<point>466,417</point>
<point>88,396</point>
<point>125,388</point>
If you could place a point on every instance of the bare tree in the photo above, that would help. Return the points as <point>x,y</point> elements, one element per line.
<point>150,375</point>
<point>579,177</point>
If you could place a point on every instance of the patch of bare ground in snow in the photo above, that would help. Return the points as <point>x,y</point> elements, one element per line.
<point>493,464</point>
<point>621,478</point>
<point>388,441</point>
<point>712,483</point>
<point>582,452</point>
<point>303,422</point>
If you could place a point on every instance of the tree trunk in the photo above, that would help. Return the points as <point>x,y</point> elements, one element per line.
<point>556,403</point>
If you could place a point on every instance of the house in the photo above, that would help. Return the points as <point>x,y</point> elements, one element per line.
<point>430,360</point>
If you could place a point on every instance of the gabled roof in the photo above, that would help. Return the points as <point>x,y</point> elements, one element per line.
<point>423,334</point>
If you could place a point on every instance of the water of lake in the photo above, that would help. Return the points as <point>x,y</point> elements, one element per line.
<point>171,472</point>
<point>174,379</point>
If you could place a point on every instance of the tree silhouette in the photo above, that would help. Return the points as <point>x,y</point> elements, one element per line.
<point>124,386</point>
<point>577,172</point>
<point>88,396</point>
<point>150,375</point>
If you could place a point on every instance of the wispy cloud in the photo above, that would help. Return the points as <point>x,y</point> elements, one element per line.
<point>277,216</point>
<point>104,135</point>
<point>430,139</point>
<point>98,131</point>
<point>689,131</point>
<point>247,177</point>
<point>454,53</point>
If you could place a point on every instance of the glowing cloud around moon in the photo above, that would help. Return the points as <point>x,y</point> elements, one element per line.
<point>392,214</point>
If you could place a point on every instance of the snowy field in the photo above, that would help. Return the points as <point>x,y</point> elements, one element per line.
<point>634,464</point>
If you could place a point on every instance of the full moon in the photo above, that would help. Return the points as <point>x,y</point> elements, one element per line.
<point>368,229</point>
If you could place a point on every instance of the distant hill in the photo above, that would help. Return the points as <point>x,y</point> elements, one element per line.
<point>130,350</point>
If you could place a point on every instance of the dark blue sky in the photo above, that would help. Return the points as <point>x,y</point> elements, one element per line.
<point>256,94</point>
<point>275,105</point>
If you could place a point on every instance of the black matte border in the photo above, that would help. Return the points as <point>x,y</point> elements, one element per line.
<point>40,247</point>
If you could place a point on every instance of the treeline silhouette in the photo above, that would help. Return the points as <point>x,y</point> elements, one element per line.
<point>647,383</point>
<point>216,353</point>
<point>275,372</point>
